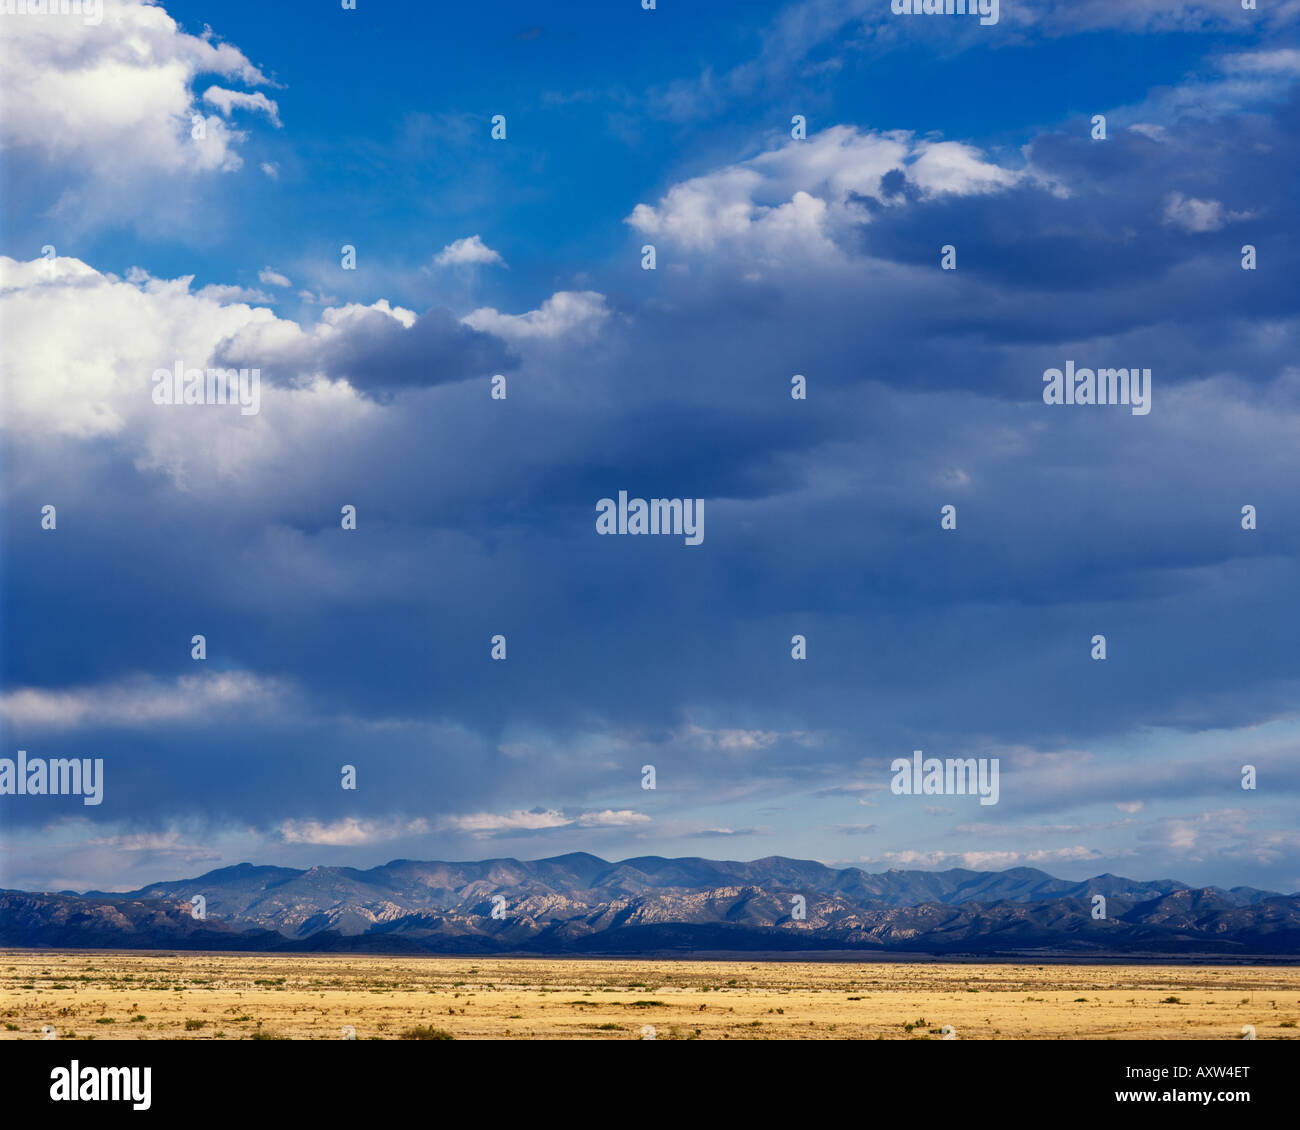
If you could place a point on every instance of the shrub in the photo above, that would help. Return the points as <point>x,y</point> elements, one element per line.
<point>426,1032</point>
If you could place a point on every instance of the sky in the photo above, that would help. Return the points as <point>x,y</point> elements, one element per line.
<point>179,183</point>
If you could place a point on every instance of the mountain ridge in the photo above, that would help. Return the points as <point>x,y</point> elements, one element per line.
<point>580,903</point>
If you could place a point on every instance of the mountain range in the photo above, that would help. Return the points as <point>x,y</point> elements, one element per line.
<point>580,904</point>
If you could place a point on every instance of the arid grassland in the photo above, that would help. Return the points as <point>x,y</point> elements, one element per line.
<point>89,995</point>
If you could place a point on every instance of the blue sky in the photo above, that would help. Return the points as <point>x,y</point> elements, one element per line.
<point>775,256</point>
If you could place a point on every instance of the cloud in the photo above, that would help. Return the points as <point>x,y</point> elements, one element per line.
<point>611,818</point>
<point>487,824</point>
<point>378,349</point>
<point>140,702</point>
<point>272,278</point>
<point>855,39</point>
<point>476,517</point>
<point>1069,17</point>
<point>471,250</point>
<point>803,196</point>
<point>956,168</point>
<point>229,295</point>
<point>1197,215</point>
<point>738,741</point>
<point>987,860</point>
<point>164,845</point>
<point>853,788</point>
<point>1225,85</point>
<point>117,115</point>
<point>92,377</point>
<point>228,100</point>
<point>1282,60</point>
<point>348,832</point>
<point>565,314</point>
<point>1222,834</point>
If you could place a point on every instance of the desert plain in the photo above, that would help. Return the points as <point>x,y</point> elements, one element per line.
<point>221,996</point>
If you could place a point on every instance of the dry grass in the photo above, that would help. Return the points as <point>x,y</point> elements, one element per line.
<point>233,997</point>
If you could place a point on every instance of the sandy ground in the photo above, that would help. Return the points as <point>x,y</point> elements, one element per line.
<point>87,995</point>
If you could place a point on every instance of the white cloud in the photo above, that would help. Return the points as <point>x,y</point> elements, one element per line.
<point>349,832</point>
<point>138,702</point>
<point>228,100</point>
<point>90,376</point>
<point>565,313</point>
<point>491,824</point>
<point>1237,81</point>
<point>167,844</point>
<point>953,167</point>
<point>1197,215</point>
<point>799,197</point>
<point>115,101</point>
<point>1223,834</point>
<point>272,277</point>
<point>1283,60</point>
<point>486,824</point>
<point>611,818</point>
<point>1149,131</point>
<point>736,741</point>
<point>472,249</point>
<point>986,860</point>
<point>225,295</point>
<point>1067,17</point>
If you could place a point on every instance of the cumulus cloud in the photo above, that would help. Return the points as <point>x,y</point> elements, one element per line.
<point>800,197</point>
<point>227,295</point>
<point>377,348</point>
<point>92,376</point>
<point>1197,215</point>
<point>1222,834</point>
<point>953,167</point>
<point>470,250</point>
<point>272,277</point>
<point>566,313</point>
<point>119,107</point>
<point>913,392</point>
